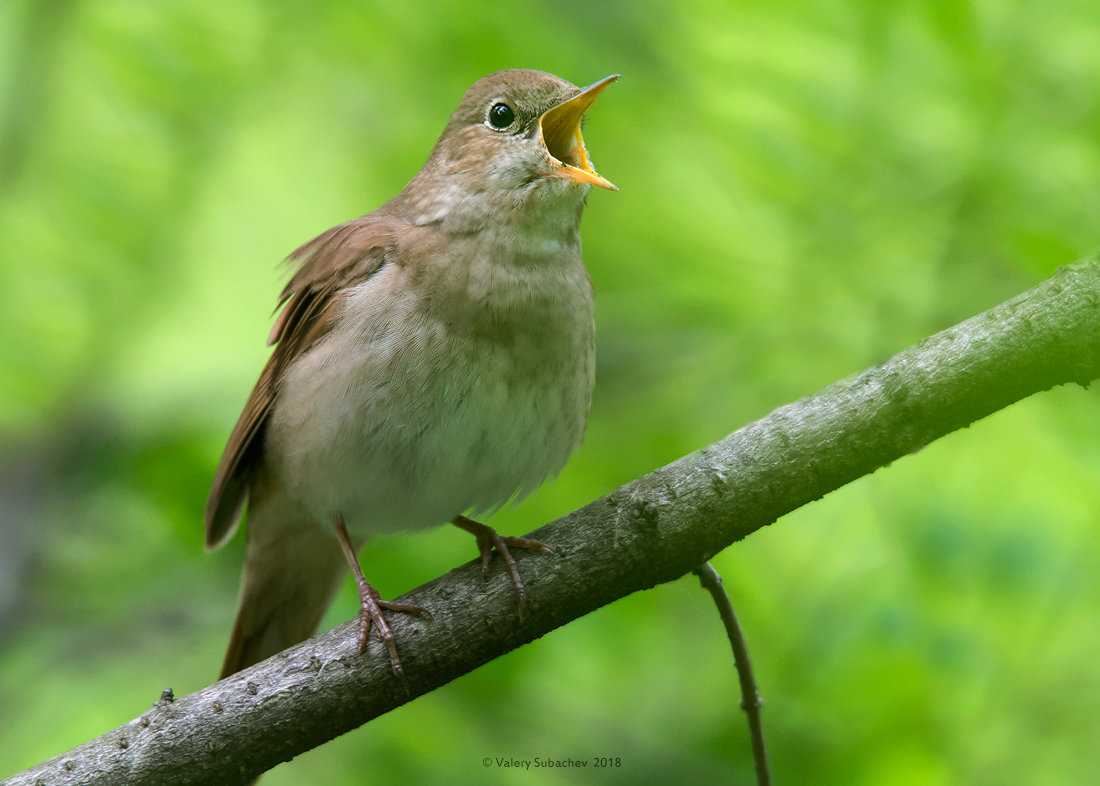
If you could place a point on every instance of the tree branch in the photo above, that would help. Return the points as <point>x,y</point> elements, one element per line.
<point>650,531</point>
<point>751,701</point>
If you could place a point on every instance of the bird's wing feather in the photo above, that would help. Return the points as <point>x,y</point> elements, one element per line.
<point>339,258</point>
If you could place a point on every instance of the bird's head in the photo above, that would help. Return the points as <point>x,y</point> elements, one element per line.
<point>516,135</point>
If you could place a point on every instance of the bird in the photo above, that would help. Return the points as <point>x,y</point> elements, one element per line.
<point>433,361</point>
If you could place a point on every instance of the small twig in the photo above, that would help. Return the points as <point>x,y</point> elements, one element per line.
<point>751,702</point>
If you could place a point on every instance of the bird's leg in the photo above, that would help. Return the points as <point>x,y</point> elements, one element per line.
<point>371,605</point>
<point>488,539</point>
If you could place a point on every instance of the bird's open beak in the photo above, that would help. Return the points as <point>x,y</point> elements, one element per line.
<point>561,133</point>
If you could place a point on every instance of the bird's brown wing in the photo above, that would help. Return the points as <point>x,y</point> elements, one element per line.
<point>341,257</point>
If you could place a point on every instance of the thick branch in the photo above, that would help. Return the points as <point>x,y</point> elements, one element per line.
<point>652,530</point>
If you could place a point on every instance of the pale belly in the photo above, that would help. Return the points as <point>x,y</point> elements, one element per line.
<point>395,422</point>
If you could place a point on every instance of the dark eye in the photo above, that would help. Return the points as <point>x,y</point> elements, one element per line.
<point>501,116</point>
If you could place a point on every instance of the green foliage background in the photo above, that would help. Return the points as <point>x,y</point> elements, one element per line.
<point>807,187</point>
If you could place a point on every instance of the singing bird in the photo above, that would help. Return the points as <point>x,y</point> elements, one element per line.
<point>433,358</point>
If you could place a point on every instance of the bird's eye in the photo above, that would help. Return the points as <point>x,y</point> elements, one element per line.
<point>501,116</point>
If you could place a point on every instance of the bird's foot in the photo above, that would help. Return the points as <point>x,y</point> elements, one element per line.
<point>488,539</point>
<point>371,605</point>
<point>370,615</point>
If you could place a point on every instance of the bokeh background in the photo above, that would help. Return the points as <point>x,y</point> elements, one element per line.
<point>806,188</point>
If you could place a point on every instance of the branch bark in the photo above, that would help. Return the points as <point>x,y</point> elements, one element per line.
<point>652,530</point>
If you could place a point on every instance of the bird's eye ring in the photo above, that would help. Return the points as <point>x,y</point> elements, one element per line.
<point>501,116</point>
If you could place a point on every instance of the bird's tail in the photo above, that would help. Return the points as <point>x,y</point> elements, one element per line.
<point>291,573</point>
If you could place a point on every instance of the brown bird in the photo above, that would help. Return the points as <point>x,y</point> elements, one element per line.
<point>432,358</point>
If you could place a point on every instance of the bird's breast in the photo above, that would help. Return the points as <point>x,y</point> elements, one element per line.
<point>437,392</point>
